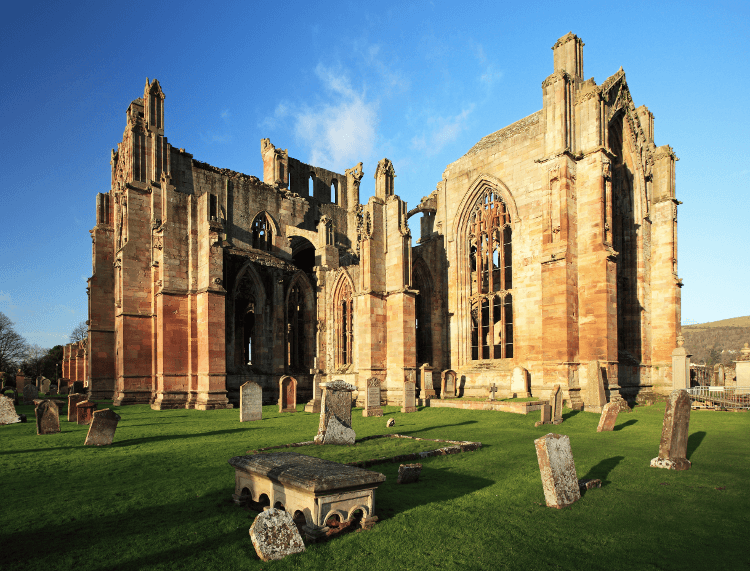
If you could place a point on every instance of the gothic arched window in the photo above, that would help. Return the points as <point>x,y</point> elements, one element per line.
<point>262,232</point>
<point>490,252</point>
<point>295,329</point>
<point>343,305</point>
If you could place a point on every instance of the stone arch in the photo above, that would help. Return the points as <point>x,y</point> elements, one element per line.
<point>246,345</point>
<point>299,317</point>
<point>423,310</point>
<point>263,231</point>
<point>342,310</point>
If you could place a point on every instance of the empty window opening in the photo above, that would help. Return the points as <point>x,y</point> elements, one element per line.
<point>249,334</point>
<point>213,208</point>
<point>311,185</point>
<point>262,232</point>
<point>295,330</point>
<point>335,192</point>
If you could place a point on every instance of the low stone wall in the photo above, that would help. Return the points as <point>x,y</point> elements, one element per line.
<point>501,406</point>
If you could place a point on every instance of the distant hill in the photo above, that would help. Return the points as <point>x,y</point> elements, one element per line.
<point>717,341</point>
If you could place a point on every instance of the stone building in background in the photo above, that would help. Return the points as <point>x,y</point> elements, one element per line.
<point>550,244</point>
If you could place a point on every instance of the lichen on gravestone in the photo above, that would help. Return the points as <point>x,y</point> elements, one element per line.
<point>275,535</point>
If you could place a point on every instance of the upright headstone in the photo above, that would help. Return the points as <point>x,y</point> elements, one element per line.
<point>85,411</point>
<point>674,433</point>
<point>556,402</point>
<point>77,387</point>
<point>287,394</point>
<point>314,404</point>
<point>428,389</point>
<point>335,425</point>
<point>448,384</point>
<point>8,414</point>
<point>595,397</point>
<point>45,385</point>
<point>546,411</point>
<point>73,401</point>
<point>609,417</point>
<point>53,389</point>
<point>30,392</point>
<point>519,383</point>
<point>721,379</point>
<point>742,368</point>
<point>275,535</point>
<point>372,403</point>
<point>102,428</point>
<point>20,382</point>
<point>410,396</point>
<point>251,402</point>
<point>558,470</point>
<point>680,365</point>
<point>47,417</point>
<point>493,390</point>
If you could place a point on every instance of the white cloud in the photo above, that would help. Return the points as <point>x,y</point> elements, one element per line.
<point>444,131</point>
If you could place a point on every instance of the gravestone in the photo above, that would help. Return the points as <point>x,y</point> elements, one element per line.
<point>8,414</point>
<point>546,411</point>
<point>372,404</point>
<point>20,382</point>
<point>595,397</point>
<point>519,383</point>
<point>47,417</point>
<point>674,433</point>
<point>410,397</point>
<point>742,368</point>
<point>85,411</point>
<point>428,389</point>
<point>287,394</point>
<point>102,428</point>
<point>558,470</point>
<point>493,390</point>
<point>251,402</point>
<point>681,366</point>
<point>53,389</point>
<point>76,387</point>
<point>30,392</point>
<point>720,379</point>
<point>335,425</point>
<point>408,473</point>
<point>275,535</point>
<point>45,385</point>
<point>314,405</point>
<point>609,417</point>
<point>556,402</point>
<point>448,384</point>
<point>73,401</point>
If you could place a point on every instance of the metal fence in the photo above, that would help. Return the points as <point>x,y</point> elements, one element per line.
<point>720,398</point>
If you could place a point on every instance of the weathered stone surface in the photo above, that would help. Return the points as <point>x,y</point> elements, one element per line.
<point>85,411</point>
<point>674,433</point>
<point>287,394</point>
<point>30,392</point>
<point>520,383</point>
<point>556,402</point>
<point>336,414</point>
<point>410,397</point>
<point>47,417</point>
<point>546,413</point>
<point>73,401</point>
<point>595,396</point>
<point>8,414</point>
<point>558,470</point>
<point>448,384</point>
<point>372,403</point>
<point>609,417</point>
<point>427,385</point>
<point>391,423</point>
<point>275,535</point>
<point>493,391</point>
<point>102,428</point>
<point>408,473</point>
<point>589,484</point>
<point>45,385</point>
<point>251,402</point>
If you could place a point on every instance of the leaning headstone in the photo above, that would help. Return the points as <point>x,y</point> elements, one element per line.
<point>251,402</point>
<point>410,397</point>
<point>372,404</point>
<point>47,418</point>
<point>73,401</point>
<point>30,392</point>
<point>275,535</point>
<point>558,470</point>
<point>674,433</point>
<point>287,394</point>
<point>595,397</point>
<point>519,383</point>
<point>556,401</point>
<point>609,417</point>
<point>8,414</point>
<point>448,384</point>
<point>102,428</point>
<point>85,411</point>
<point>336,414</point>
<point>546,415</point>
<point>45,385</point>
<point>408,473</point>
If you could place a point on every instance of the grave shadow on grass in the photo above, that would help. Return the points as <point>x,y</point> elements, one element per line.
<point>161,437</point>
<point>603,468</point>
<point>694,440</point>
<point>411,432</point>
<point>434,485</point>
<point>570,414</point>
<point>625,424</point>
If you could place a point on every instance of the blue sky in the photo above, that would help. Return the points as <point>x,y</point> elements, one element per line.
<point>339,83</point>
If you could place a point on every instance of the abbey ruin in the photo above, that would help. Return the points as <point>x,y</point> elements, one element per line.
<point>550,244</point>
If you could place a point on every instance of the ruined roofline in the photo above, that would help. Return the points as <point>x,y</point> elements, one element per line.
<point>224,172</point>
<point>520,126</point>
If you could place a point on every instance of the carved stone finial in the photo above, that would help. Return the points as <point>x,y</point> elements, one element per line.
<point>745,352</point>
<point>680,340</point>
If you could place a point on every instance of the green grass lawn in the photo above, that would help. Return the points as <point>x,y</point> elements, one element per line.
<point>160,496</point>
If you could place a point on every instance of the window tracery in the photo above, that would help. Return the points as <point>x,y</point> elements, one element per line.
<point>262,232</point>
<point>344,308</point>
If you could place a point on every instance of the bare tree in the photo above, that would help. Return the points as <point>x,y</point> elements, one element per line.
<point>12,345</point>
<point>80,332</point>
<point>35,356</point>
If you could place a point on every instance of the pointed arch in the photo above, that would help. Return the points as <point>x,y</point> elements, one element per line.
<point>248,300</point>
<point>263,231</point>
<point>343,313</point>
<point>422,282</point>
<point>299,317</point>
